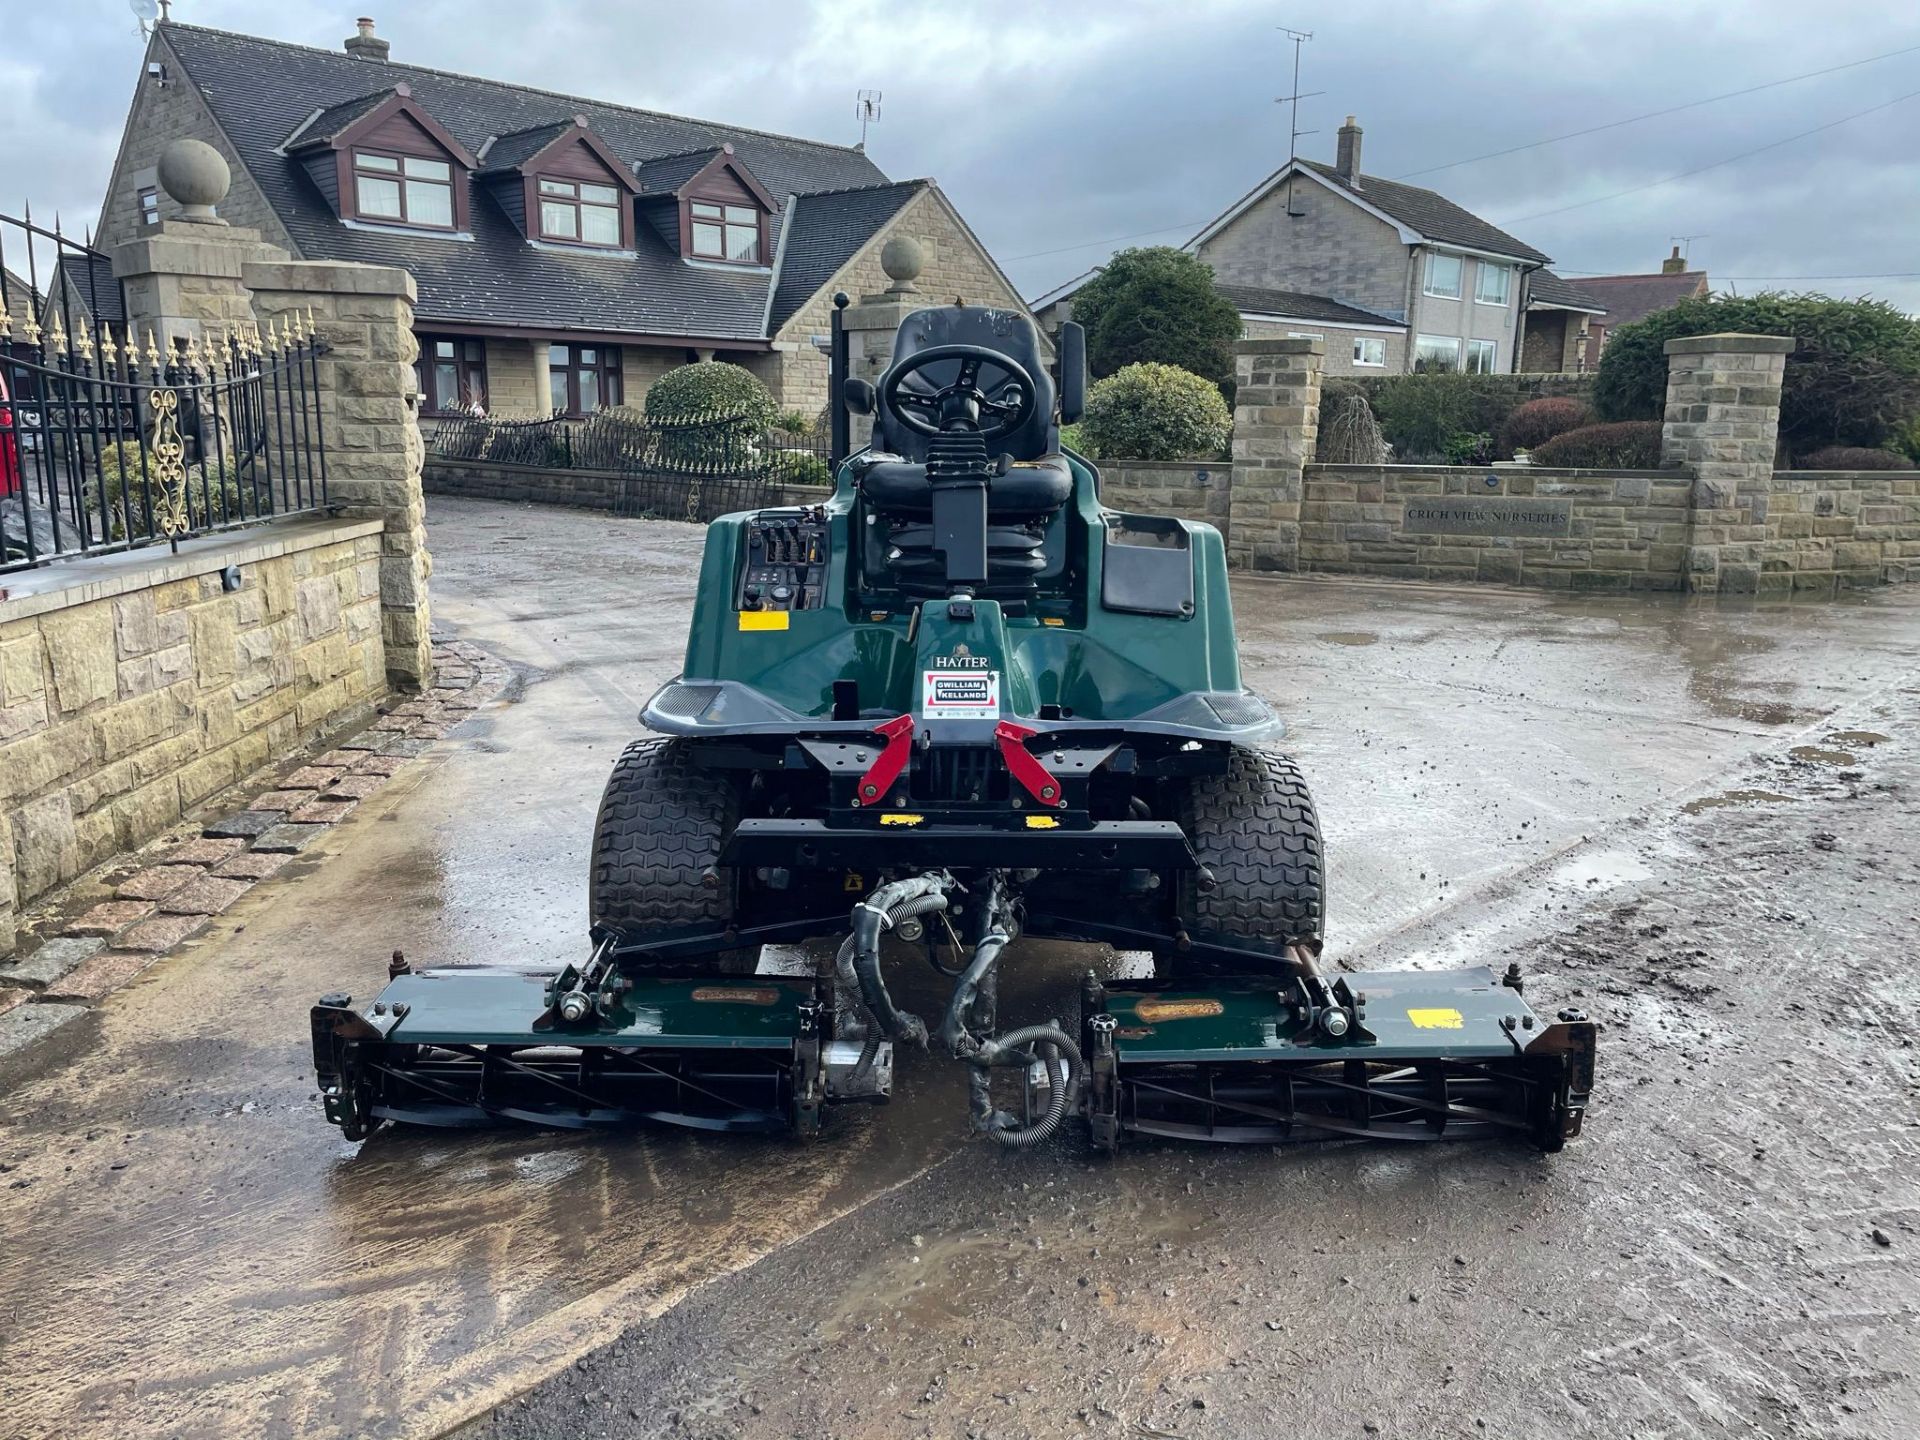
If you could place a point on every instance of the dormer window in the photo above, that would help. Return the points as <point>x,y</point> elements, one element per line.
<point>725,232</point>
<point>585,214</point>
<point>407,189</point>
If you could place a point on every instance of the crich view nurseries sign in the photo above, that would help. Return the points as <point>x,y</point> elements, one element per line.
<point>1487,515</point>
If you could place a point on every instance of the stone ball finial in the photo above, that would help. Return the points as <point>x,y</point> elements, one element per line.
<point>903,258</point>
<point>196,175</point>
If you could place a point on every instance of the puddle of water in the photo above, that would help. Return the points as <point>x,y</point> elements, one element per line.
<point>1814,755</point>
<point>1867,738</point>
<point>1765,712</point>
<point>1734,797</point>
<point>1347,637</point>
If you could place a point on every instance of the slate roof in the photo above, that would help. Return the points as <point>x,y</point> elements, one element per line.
<point>825,231</point>
<point>98,294</point>
<point>331,121</point>
<point>667,173</point>
<point>509,152</point>
<point>1429,212</point>
<point>260,90</point>
<point>1634,297</point>
<point>1547,288</point>
<point>1297,306</point>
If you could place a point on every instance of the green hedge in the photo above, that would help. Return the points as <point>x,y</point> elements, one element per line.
<point>1156,412</point>
<point>724,410</point>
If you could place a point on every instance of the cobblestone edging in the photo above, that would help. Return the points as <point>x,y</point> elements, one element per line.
<point>172,891</point>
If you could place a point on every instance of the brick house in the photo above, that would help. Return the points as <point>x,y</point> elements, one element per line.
<point>1568,323</point>
<point>567,251</point>
<point>1394,277</point>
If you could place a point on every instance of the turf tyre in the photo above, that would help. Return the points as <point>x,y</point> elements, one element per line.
<point>656,850</point>
<point>1254,828</point>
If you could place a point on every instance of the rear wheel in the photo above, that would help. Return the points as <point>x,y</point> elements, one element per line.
<point>656,851</point>
<point>1254,830</point>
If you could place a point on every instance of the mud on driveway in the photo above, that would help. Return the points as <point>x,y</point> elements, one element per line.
<point>190,1251</point>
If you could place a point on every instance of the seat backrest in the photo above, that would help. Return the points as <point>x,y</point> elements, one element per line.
<point>1006,331</point>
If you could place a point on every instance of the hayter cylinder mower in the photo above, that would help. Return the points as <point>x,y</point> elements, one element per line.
<point>960,702</point>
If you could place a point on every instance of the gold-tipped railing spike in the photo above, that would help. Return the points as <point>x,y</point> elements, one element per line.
<point>32,330</point>
<point>153,351</point>
<point>109,352</point>
<point>58,337</point>
<point>312,329</point>
<point>6,326</point>
<point>83,344</point>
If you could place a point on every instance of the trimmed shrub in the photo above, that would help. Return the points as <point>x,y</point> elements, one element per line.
<point>1156,412</point>
<point>1854,380</point>
<point>1538,421</point>
<point>1421,414</point>
<point>127,496</point>
<point>709,416</point>
<point>1466,449</point>
<point>1905,439</point>
<point>1622,445</point>
<point>802,467</point>
<point>1072,439</point>
<point>792,422</point>
<point>1852,457</point>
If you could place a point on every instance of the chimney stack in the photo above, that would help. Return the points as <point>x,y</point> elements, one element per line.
<point>1347,158</point>
<point>1673,264</point>
<point>365,45</point>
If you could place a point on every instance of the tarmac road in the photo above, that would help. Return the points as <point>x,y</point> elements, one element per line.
<point>190,1251</point>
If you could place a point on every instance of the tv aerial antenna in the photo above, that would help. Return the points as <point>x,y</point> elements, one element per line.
<point>1294,132</point>
<point>866,105</point>
<point>1685,242</point>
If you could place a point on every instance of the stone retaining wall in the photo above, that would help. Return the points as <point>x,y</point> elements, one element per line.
<point>1191,490</point>
<point>1557,529</point>
<point>135,687</point>
<point>1825,530</point>
<point>536,484</point>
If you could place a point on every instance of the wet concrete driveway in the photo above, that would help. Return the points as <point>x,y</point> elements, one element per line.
<point>189,1250</point>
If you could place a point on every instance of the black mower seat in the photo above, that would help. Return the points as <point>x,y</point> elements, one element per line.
<point>1030,490</point>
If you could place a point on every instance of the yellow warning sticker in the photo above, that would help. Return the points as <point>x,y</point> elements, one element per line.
<point>734,995</point>
<point>1054,620</point>
<point>1042,822</point>
<point>902,819</point>
<point>763,619</point>
<point>1155,1010</point>
<point>1440,1019</point>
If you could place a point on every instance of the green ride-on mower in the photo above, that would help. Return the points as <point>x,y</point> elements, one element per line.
<point>960,702</point>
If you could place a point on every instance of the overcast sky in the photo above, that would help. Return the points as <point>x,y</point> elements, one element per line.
<point>1057,127</point>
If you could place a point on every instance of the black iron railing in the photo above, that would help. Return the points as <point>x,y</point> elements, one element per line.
<point>108,441</point>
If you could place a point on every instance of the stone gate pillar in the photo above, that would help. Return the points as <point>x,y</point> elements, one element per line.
<point>872,320</point>
<point>1276,424</point>
<point>368,405</point>
<point>1723,422</point>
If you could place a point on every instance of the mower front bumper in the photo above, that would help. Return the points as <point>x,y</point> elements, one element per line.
<point>1009,841</point>
<point>1435,1055</point>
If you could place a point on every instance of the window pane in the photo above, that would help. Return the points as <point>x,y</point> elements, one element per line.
<point>374,162</point>
<point>740,215</point>
<point>1443,275</point>
<point>556,187</point>
<point>428,169</point>
<point>559,388</point>
<point>600,224</point>
<point>706,212</point>
<point>706,240</point>
<point>1437,352</point>
<point>1492,284</point>
<point>1480,357</point>
<point>446,387</point>
<point>598,194</point>
<point>429,203</point>
<point>378,197</point>
<point>443,349</point>
<point>559,219</point>
<point>616,390</point>
<point>589,357</point>
<point>1369,352</point>
<point>589,393</point>
<point>743,242</point>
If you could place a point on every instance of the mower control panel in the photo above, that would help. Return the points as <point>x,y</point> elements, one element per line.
<point>786,565</point>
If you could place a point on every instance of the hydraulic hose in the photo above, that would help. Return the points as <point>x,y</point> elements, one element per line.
<point>1065,1066</point>
<point>859,960</point>
<point>953,1029</point>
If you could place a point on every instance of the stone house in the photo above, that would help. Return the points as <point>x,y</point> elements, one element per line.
<point>1392,276</point>
<point>1568,322</point>
<point>567,251</point>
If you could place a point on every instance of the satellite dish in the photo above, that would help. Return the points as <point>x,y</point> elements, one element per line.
<point>145,11</point>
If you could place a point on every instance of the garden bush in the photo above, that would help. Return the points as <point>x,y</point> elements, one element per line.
<point>710,416</point>
<point>1158,305</point>
<point>214,493</point>
<point>1421,414</point>
<point>1156,412</point>
<point>802,467</point>
<point>1852,457</point>
<point>1349,435</point>
<point>1621,445</point>
<point>1854,380</point>
<point>1538,421</point>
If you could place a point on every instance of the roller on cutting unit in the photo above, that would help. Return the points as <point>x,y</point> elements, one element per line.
<point>959,703</point>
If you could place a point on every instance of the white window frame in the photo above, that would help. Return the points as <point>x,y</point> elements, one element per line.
<point>1360,342</point>
<point>1421,342</point>
<point>1459,276</point>
<point>1484,268</point>
<point>1489,348</point>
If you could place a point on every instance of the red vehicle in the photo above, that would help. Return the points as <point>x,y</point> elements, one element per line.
<point>9,446</point>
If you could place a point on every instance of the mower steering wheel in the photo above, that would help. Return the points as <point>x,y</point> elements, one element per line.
<point>966,403</point>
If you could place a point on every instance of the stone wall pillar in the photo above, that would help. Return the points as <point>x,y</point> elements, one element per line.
<point>1723,422</point>
<point>1276,424</point>
<point>368,406</point>
<point>872,321</point>
<point>183,280</point>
